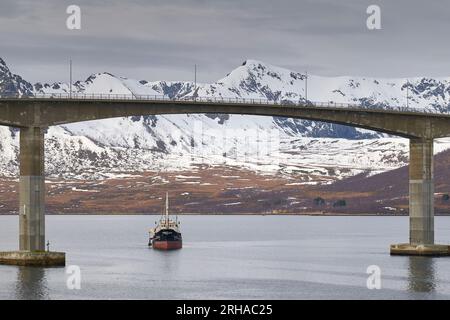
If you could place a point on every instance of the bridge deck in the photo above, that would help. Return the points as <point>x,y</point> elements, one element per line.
<point>127,98</point>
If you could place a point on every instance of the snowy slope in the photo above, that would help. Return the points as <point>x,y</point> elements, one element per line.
<point>11,83</point>
<point>255,79</point>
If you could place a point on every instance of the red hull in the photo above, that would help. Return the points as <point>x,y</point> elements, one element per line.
<point>167,245</point>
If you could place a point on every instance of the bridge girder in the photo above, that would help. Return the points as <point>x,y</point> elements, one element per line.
<point>49,112</point>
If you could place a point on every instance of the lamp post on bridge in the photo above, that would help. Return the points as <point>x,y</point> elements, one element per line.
<point>70,77</point>
<point>306,87</point>
<point>407,94</point>
<point>195,81</point>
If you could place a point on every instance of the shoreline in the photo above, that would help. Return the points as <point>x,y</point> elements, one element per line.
<point>313,214</point>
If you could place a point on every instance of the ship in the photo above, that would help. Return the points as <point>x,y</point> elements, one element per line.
<point>166,235</point>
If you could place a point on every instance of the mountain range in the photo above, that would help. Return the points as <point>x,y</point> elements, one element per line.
<point>308,152</point>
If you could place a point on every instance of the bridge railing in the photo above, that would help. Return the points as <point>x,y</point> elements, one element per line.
<point>192,99</point>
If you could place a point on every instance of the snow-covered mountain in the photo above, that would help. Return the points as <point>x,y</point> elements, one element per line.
<point>11,83</point>
<point>97,149</point>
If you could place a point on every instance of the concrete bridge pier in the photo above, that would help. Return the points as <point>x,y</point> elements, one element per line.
<point>32,190</point>
<point>421,192</point>
<point>32,205</point>
<point>421,203</point>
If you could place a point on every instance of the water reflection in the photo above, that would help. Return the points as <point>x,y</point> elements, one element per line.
<point>31,283</point>
<point>170,261</point>
<point>421,274</point>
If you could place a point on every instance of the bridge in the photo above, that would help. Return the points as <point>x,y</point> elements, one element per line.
<point>34,114</point>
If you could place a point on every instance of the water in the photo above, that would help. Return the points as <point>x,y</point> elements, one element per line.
<point>229,257</point>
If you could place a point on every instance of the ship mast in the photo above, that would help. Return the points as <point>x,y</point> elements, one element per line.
<point>167,208</point>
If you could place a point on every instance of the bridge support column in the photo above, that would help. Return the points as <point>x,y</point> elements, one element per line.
<point>32,190</point>
<point>421,192</point>
<point>32,205</point>
<point>421,203</point>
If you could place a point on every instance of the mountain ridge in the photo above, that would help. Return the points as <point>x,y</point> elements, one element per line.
<point>94,149</point>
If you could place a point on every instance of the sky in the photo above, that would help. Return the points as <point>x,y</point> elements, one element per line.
<point>164,39</point>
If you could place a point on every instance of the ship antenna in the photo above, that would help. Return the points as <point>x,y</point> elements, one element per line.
<point>167,207</point>
<point>162,214</point>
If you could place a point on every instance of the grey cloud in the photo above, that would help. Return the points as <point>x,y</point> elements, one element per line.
<point>164,39</point>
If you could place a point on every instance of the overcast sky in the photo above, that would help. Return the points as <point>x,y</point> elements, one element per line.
<point>163,39</point>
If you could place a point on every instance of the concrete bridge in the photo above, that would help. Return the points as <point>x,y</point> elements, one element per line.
<point>33,115</point>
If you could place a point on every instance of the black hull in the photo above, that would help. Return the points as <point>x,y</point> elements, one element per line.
<point>166,239</point>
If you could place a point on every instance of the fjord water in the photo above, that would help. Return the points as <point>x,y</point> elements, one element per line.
<point>229,257</point>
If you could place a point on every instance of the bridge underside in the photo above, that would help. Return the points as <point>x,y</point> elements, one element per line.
<point>33,119</point>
